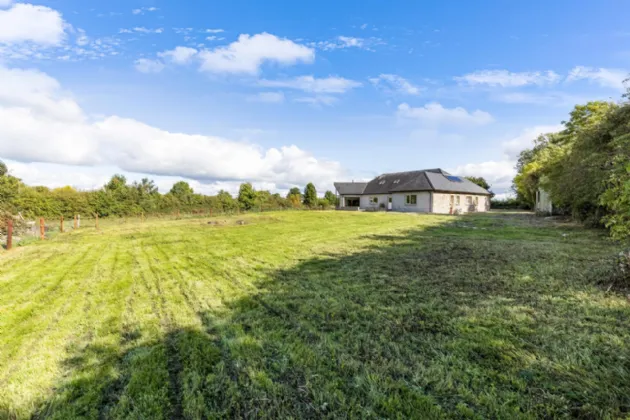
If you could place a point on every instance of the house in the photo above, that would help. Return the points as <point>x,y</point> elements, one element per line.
<point>425,191</point>
<point>543,202</point>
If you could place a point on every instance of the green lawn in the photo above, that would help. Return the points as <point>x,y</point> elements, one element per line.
<point>315,314</point>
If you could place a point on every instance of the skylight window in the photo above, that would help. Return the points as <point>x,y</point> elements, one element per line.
<point>382,182</point>
<point>397,181</point>
<point>454,178</point>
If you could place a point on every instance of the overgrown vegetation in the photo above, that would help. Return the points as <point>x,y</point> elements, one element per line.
<point>315,315</point>
<point>585,167</point>
<point>118,198</point>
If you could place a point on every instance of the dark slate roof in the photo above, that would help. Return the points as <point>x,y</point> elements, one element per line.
<point>442,182</point>
<point>350,188</point>
<point>424,180</point>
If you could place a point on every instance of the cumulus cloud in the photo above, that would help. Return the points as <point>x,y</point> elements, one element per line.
<point>179,55</point>
<point>395,84</point>
<point>248,53</point>
<point>318,100</point>
<point>612,78</point>
<point>267,97</point>
<point>500,173</point>
<point>331,84</point>
<point>39,122</point>
<point>434,113</point>
<point>28,23</point>
<point>506,78</point>
<point>145,65</point>
<point>514,146</point>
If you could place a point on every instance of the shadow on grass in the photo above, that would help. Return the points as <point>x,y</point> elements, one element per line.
<point>449,321</point>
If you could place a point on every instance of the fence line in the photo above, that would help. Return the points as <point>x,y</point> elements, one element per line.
<point>50,230</point>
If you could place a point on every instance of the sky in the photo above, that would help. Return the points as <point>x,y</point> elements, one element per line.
<point>281,93</point>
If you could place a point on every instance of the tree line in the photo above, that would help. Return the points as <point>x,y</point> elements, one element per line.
<point>121,198</point>
<point>585,167</point>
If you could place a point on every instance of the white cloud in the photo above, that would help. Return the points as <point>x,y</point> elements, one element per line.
<point>342,42</point>
<point>395,84</point>
<point>29,23</point>
<point>145,65</point>
<point>331,84</point>
<point>267,97</point>
<point>248,53</point>
<point>214,38</point>
<point>498,174</point>
<point>82,38</point>
<point>142,10</point>
<point>436,114</point>
<point>179,55</point>
<point>318,100</point>
<point>612,78</point>
<point>501,173</point>
<point>525,140</point>
<point>506,78</point>
<point>33,128</point>
<point>549,98</point>
<point>143,30</point>
<point>214,31</point>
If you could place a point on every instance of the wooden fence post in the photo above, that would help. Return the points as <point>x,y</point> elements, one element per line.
<point>9,234</point>
<point>61,225</point>
<point>96,220</point>
<point>42,229</point>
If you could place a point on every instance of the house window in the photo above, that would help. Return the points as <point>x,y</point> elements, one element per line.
<point>468,200</point>
<point>457,200</point>
<point>476,201</point>
<point>389,200</point>
<point>374,200</point>
<point>452,200</point>
<point>411,200</point>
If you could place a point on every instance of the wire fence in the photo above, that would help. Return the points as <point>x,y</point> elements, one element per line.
<point>18,230</point>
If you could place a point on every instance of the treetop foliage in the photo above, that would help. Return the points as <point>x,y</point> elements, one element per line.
<point>119,198</point>
<point>585,167</point>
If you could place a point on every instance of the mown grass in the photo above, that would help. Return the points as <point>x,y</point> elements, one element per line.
<point>315,315</point>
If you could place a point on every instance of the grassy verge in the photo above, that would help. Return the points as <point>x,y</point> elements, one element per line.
<point>314,314</point>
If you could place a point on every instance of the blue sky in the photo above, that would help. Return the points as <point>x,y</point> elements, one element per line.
<point>279,93</point>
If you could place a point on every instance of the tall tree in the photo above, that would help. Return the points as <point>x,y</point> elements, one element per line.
<point>310,195</point>
<point>181,189</point>
<point>247,196</point>
<point>294,191</point>
<point>331,198</point>
<point>116,183</point>
<point>3,168</point>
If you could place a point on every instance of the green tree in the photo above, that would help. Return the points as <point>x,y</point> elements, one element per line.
<point>181,189</point>
<point>294,191</point>
<point>310,195</point>
<point>3,168</point>
<point>247,196</point>
<point>331,198</point>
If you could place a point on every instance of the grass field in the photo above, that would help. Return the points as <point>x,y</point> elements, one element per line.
<point>312,315</point>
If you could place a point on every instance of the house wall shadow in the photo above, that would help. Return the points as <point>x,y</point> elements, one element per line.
<point>415,325</point>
